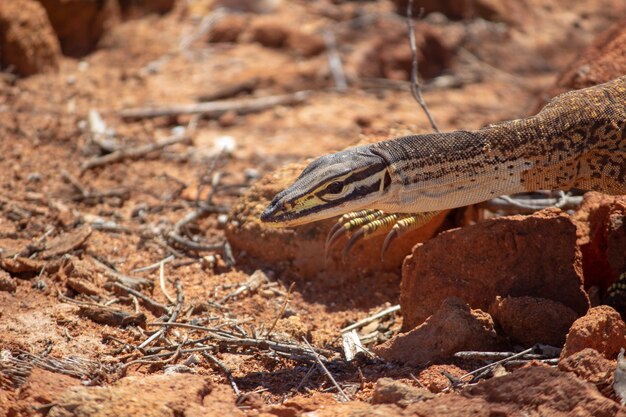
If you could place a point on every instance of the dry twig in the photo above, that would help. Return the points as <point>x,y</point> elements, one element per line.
<point>224,369</point>
<point>370,319</point>
<point>508,204</point>
<point>344,396</point>
<point>180,298</point>
<point>169,298</point>
<point>154,306</point>
<point>134,153</point>
<point>416,87</point>
<point>282,310</point>
<point>217,108</point>
<point>334,62</point>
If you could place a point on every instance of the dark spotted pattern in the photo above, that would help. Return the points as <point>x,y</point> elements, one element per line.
<point>577,140</point>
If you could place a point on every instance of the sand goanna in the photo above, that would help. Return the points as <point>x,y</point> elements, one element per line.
<point>578,140</point>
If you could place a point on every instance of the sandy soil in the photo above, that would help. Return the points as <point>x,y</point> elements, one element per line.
<point>70,234</point>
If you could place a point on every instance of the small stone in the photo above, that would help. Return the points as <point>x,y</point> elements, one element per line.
<point>590,365</point>
<point>228,29</point>
<point>601,329</point>
<point>251,6</point>
<point>389,391</point>
<point>7,283</point>
<point>453,328</point>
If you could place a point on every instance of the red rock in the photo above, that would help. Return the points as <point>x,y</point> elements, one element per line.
<point>533,391</point>
<point>601,329</point>
<point>454,405</point>
<point>132,9</point>
<point>543,391</point>
<point>616,235</point>
<point>530,320</point>
<point>589,365</point>
<point>454,327</point>
<point>7,283</point>
<point>270,31</point>
<point>299,405</point>
<point>27,41</point>
<point>228,29</point>
<point>251,6</point>
<point>79,24</point>
<point>305,44</point>
<point>514,256</point>
<point>274,32</point>
<point>44,387</point>
<point>591,221</point>
<point>389,54</point>
<point>390,391</point>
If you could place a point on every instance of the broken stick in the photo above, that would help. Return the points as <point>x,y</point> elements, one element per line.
<point>133,153</point>
<point>218,108</point>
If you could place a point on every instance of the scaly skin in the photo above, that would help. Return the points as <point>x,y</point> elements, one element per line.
<point>578,140</point>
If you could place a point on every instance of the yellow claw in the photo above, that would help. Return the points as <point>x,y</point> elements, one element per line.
<point>373,228</point>
<point>404,226</point>
<point>347,223</point>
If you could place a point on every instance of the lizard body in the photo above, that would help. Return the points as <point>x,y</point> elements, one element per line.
<point>578,140</point>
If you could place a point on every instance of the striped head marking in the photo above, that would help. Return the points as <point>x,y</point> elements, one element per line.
<point>331,185</point>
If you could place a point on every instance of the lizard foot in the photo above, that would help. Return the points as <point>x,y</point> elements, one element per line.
<point>347,224</point>
<point>365,224</point>
<point>377,227</point>
<point>403,226</point>
<point>616,294</point>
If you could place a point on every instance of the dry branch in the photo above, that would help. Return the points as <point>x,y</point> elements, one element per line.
<point>334,62</point>
<point>508,204</point>
<point>133,283</point>
<point>233,340</point>
<point>246,86</point>
<point>156,308</point>
<point>111,316</point>
<point>368,320</point>
<point>133,153</point>
<point>180,298</point>
<point>224,369</point>
<point>416,87</point>
<point>344,396</point>
<point>218,108</point>
<point>66,242</point>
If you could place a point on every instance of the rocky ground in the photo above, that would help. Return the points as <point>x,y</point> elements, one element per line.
<point>141,140</point>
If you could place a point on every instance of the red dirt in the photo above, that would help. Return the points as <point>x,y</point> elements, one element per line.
<point>69,237</point>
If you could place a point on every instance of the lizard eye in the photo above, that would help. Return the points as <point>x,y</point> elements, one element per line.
<point>334,187</point>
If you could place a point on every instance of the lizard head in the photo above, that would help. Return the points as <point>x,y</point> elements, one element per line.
<point>329,186</point>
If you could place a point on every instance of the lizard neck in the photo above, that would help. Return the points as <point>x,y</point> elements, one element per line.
<point>577,140</point>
